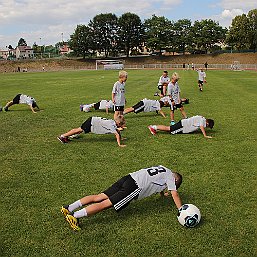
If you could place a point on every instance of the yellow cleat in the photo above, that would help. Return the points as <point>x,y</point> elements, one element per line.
<point>64,210</point>
<point>73,222</point>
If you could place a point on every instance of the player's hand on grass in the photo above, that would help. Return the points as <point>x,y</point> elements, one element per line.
<point>208,137</point>
<point>122,145</point>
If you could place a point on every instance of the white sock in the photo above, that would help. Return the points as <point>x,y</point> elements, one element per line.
<point>81,213</point>
<point>74,205</point>
<point>154,127</point>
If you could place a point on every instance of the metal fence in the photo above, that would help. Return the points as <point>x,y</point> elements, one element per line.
<point>180,66</point>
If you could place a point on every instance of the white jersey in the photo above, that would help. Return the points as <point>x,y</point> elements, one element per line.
<point>192,124</point>
<point>151,105</point>
<point>103,126</point>
<point>25,99</point>
<point>105,104</point>
<point>201,75</point>
<point>163,80</point>
<point>119,91</point>
<point>174,92</point>
<point>154,180</point>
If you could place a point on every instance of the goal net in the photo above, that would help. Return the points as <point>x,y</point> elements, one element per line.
<point>109,65</point>
<point>236,66</point>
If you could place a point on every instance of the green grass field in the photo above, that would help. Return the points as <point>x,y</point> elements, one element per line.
<point>39,174</point>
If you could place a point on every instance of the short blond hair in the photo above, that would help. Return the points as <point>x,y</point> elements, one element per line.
<point>122,74</point>
<point>120,120</point>
<point>175,76</point>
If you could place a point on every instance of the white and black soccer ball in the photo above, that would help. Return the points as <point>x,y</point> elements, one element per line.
<point>189,215</point>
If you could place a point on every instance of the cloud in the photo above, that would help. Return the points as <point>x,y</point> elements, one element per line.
<point>231,13</point>
<point>238,4</point>
<point>33,19</point>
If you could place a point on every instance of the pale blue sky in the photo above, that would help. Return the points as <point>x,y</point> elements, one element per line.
<point>45,21</point>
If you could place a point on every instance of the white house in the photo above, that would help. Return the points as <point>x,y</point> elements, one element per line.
<point>24,52</point>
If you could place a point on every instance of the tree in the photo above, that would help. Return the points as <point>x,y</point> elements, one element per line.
<point>252,19</point>
<point>182,34</point>
<point>238,34</point>
<point>81,41</point>
<point>22,42</point>
<point>158,32</point>
<point>131,32</point>
<point>207,33</point>
<point>104,28</point>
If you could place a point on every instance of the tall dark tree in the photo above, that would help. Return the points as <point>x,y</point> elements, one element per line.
<point>252,18</point>
<point>131,32</point>
<point>207,33</point>
<point>238,35</point>
<point>158,32</point>
<point>104,28</point>
<point>81,41</point>
<point>22,42</point>
<point>182,34</point>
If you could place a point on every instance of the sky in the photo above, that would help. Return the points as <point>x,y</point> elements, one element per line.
<point>48,22</point>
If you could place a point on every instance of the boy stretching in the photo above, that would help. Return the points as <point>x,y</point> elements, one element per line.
<point>147,105</point>
<point>97,125</point>
<point>162,84</point>
<point>118,94</point>
<point>185,126</point>
<point>174,93</point>
<point>22,99</point>
<point>101,105</point>
<point>201,78</point>
<point>135,186</point>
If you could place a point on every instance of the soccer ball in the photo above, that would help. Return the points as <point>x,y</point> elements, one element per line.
<point>189,215</point>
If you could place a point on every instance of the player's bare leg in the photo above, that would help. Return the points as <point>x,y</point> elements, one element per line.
<point>98,207</point>
<point>163,128</point>
<point>9,104</point>
<point>93,199</point>
<point>128,110</point>
<point>183,112</point>
<point>73,132</point>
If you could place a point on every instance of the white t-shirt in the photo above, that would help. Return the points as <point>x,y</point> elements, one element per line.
<point>119,91</point>
<point>105,103</point>
<point>163,80</point>
<point>25,99</point>
<point>192,124</point>
<point>174,92</point>
<point>201,75</point>
<point>103,126</point>
<point>151,105</point>
<point>154,180</point>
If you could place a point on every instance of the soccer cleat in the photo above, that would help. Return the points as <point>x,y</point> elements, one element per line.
<point>172,123</point>
<point>81,107</point>
<point>186,101</point>
<point>152,130</point>
<point>63,140</point>
<point>156,94</point>
<point>6,109</point>
<point>74,223</point>
<point>64,210</point>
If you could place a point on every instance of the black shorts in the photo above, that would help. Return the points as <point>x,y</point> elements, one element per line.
<point>139,107</point>
<point>119,108</point>
<point>86,126</point>
<point>200,82</point>
<point>97,106</point>
<point>176,128</point>
<point>177,106</point>
<point>123,192</point>
<point>16,99</point>
<point>160,87</point>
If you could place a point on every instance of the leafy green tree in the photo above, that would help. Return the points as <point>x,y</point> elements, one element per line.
<point>158,31</point>
<point>207,33</point>
<point>252,19</point>
<point>104,28</point>
<point>131,32</point>
<point>238,35</point>
<point>182,37</point>
<point>81,41</point>
<point>22,42</point>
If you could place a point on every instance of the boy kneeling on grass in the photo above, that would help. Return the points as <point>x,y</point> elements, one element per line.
<point>135,186</point>
<point>97,125</point>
